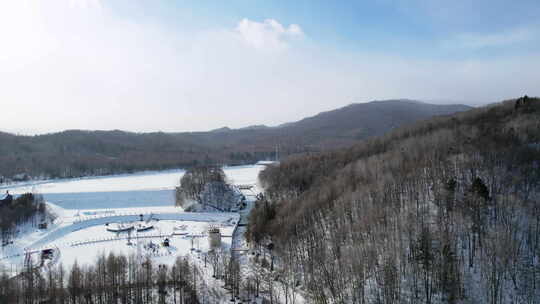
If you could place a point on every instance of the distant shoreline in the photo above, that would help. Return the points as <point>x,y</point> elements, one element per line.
<point>36,182</point>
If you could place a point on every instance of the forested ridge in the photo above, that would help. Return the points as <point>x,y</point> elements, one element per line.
<point>446,210</point>
<point>76,153</point>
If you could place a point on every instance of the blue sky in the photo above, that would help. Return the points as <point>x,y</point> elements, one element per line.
<point>199,65</point>
<point>416,28</point>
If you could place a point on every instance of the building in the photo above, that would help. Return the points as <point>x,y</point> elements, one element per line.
<point>214,238</point>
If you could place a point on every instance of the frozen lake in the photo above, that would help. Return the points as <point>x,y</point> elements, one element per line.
<point>143,189</point>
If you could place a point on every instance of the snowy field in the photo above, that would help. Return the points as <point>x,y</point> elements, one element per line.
<point>84,237</point>
<point>121,191</point>
<point>87,207</point>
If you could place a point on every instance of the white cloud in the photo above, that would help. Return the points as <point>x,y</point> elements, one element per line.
<point>85,4</point>
<point>268,35</point>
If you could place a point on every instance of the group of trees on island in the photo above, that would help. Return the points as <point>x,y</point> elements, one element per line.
<point>444,211</point>
<point>26,208</point>
<point>205,188</point>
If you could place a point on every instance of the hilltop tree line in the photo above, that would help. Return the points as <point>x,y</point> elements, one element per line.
<point>86,153</point>
<point>76,153</point>
<point>443,211</point>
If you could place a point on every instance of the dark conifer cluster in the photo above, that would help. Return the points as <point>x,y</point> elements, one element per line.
<point>25,208</point>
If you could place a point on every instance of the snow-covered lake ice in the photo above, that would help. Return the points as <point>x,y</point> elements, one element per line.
<point>145,189</point>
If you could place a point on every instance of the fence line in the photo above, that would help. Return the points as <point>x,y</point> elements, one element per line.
<point>89,221</point>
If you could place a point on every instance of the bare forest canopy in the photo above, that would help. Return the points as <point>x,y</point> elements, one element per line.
<point>443,211</point>
<point>79,153</point>
<point>112,279</point>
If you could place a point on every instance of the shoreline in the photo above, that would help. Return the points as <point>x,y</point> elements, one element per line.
<point>37,182</point>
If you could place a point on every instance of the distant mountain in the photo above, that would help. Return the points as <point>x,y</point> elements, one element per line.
<point>79,152</point>
<point>255,127</point>
<point>221,130</point>
<point>361,120</point>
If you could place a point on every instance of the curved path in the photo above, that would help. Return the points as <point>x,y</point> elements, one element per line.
<point>75,225</point>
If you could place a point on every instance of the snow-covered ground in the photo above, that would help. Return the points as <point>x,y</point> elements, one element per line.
<point>159,180</point>
<point>85,206</point>
<point>80,230</point>
<point>84,236</point>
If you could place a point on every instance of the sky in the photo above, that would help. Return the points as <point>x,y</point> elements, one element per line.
<point>175,66</point>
